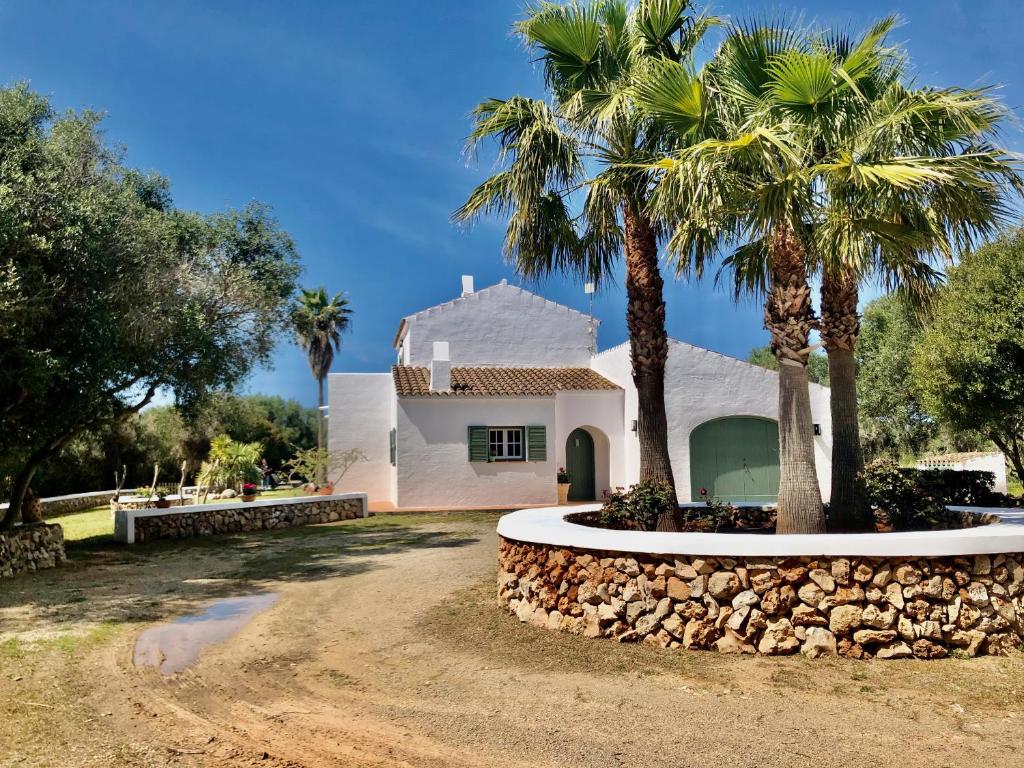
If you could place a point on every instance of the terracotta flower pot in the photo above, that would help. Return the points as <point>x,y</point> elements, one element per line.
<point>250,497</point>
<point>326,490</point>
<point>163,503</point>
<point>563,492</point>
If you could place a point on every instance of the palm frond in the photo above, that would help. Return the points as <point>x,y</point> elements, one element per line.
<point>570,37</point>
<point>672,93</point>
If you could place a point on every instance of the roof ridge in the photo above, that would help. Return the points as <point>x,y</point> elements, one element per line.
<point>503,283</point>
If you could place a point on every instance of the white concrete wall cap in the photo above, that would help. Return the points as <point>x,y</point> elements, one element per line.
<point>548,526</point>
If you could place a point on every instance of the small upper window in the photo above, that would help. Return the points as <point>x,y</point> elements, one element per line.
<point>505,443</point>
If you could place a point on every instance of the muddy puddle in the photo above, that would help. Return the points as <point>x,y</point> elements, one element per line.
<point>175,646</point>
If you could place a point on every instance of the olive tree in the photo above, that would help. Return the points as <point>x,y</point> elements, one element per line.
<point>108,295</point>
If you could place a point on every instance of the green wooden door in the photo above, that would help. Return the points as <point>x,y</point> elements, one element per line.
<point>579,463</point>
<point>735,459</point>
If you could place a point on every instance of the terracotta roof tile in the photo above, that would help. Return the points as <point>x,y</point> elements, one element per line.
<point>414,381</point>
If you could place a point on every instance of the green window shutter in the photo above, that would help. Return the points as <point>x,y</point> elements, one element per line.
<point>537,443</point>
<point>392,438</point>
<point>478,443</point>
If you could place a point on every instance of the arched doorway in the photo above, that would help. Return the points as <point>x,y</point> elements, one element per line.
<point>735,459</point>
<point>579,463</point>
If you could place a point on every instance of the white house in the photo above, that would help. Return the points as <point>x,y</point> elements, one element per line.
<point>495,390</point>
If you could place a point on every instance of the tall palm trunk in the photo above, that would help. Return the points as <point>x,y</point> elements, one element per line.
<point>840,325</point>
<point>322,471</point>
<point>789,318</point>
<point>648,344</point>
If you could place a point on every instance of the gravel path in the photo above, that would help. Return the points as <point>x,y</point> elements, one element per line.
<point>394,654</point>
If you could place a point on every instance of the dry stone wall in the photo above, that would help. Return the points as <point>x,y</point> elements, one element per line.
<point>245,517</point>
<point>30,548</point>
<point>825,606</point>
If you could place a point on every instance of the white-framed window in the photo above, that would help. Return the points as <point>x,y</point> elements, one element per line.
<point>505,443</point>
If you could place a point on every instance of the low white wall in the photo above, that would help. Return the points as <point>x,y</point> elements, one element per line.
<point>434,469</point>
<point>360,416</point>
<point>701,385</point>
<point>73,502</point>
<point>986,462</point>
<point>124,519</point>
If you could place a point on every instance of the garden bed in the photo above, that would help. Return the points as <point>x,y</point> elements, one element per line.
<point>884,595</point>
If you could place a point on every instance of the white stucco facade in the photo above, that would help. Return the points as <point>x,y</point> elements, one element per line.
<point>505,327</point>
<point>700,386</point>
<point>363,415</point>
<point>499,325</point>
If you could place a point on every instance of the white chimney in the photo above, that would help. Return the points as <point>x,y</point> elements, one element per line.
<point>441,367</point>
<point>467,285</point>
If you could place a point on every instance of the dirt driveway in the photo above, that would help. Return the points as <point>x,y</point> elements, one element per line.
<point>385,648</point>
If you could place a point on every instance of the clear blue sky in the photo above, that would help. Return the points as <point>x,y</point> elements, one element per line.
<point>349,119</point>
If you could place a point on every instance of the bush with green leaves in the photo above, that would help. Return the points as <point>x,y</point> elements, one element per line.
<point>639,508</point>
<point>908,499</point>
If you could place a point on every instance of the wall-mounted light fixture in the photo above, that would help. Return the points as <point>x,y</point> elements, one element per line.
<point>817,429</point>
<point>634,427</point>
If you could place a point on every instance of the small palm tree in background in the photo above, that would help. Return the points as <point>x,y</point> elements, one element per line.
<point>319,322</point>
<point>590,141</point>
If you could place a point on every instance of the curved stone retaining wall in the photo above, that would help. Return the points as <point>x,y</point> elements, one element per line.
<point>137,526</point>
<point>860,607</point>
<point>30,548</point>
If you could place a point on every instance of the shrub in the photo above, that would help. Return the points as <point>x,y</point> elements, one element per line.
<point>908,499</point>
<point>230,464</point>
<point>639,508</point>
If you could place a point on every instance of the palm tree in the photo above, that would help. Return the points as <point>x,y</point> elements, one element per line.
<point>891,228</point>
<point>591,53</point>
<point>737,187</point>
<point>808,168</point>
<point>319,323</point>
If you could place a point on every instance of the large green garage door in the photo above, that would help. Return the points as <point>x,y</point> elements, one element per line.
<point>736,459</point>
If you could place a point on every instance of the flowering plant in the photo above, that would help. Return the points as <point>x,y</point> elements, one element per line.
<point>249,489</point>
<point>563,476</point>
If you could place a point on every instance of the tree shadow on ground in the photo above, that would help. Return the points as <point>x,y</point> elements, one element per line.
<point>108,582</point>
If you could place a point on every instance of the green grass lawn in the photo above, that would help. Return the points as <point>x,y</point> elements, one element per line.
<point>98,522</point>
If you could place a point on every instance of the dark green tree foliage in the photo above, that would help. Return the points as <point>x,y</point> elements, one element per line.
<point>893,421</point>
<point>107,295</point>
<point>160,435</point>
<point>817,364</point>
<point>969,366</point>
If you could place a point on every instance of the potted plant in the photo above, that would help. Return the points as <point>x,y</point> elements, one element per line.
<point>326,490</point>
<point>564,485</point>
<point>162,502</point>
<point>249,491</point>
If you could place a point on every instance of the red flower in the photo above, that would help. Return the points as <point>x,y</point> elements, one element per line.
<point>703,491</point>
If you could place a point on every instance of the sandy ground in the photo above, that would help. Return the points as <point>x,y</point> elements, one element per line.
<point>386,649</point>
